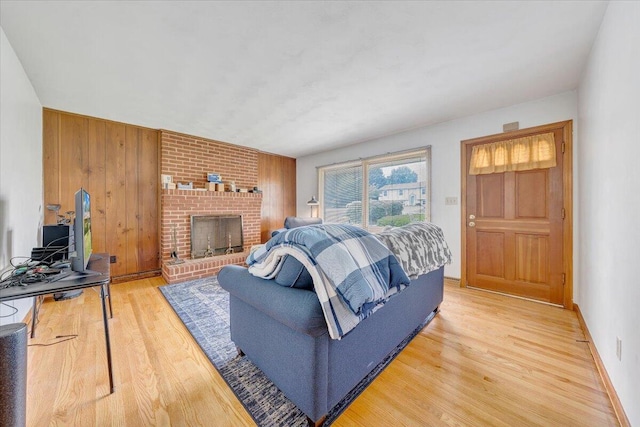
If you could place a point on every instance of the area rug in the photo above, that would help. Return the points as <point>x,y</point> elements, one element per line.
<point>203,306</point>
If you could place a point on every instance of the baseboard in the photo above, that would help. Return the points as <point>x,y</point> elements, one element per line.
<point>608,385</point>
<point>135,276</point>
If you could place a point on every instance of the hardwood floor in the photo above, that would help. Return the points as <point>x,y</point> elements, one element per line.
<point>485,359</point>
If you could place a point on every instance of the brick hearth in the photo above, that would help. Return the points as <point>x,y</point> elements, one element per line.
<point>189,159</point>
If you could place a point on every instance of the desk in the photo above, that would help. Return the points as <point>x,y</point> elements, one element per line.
<point>97,262</point>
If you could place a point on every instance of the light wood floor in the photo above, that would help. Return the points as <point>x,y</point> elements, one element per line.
<point>484,360</point>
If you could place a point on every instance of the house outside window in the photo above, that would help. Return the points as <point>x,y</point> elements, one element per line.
<point>376,192</point>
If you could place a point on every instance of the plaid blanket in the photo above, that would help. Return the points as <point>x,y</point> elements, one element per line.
<point>352,271</point>
<point>419,247</point>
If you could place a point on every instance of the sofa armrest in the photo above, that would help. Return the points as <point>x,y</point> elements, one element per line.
<point>299,309</point>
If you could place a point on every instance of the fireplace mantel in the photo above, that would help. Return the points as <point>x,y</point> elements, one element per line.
<point>205,193</point>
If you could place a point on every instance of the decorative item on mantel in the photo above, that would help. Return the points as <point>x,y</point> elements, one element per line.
<point>214,177</point>
<point>213,181</point>
<point>188,186</point>
<point>167,182</point>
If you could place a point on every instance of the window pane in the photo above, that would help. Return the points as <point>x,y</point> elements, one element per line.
<point>342,197</point>
<point>397,192</point>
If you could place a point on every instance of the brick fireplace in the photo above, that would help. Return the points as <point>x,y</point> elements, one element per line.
<point>189,159</point>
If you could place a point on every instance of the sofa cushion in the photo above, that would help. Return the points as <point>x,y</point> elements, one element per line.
<point>293,274</point>
<point>297,221</point>
<point>299,309</point>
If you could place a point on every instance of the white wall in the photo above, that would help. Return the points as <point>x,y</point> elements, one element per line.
<point>609,195</point>
<point>445,140</point>
<point>20,168</point>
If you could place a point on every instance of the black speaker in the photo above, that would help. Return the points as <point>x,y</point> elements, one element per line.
<point>13,371</point>
<point>58,236</point>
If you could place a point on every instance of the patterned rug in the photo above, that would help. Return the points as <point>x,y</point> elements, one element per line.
<point>203,306</point>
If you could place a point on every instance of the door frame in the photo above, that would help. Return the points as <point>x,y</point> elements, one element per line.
<point>567,196</point>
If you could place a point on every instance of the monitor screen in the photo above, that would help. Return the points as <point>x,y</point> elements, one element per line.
<point>82,231</point>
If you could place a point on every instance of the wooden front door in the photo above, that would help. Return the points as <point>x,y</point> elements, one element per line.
<point>514,224</point>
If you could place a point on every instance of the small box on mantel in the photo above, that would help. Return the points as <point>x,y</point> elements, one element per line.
<point>210,186</point>
<point>214,177</point>
<point>170,185</point>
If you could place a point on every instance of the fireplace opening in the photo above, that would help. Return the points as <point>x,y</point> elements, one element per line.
<point>215,235</point>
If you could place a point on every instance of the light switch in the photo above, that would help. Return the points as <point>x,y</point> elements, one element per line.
<point>450,200</point>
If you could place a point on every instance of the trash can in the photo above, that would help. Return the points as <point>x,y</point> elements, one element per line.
<point>13,372</point>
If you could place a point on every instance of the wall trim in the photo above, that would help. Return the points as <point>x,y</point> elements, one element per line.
<point>608,385</point>
<point>136,276</point>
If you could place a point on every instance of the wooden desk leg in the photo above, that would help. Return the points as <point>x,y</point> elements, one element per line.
<point>103,295</point>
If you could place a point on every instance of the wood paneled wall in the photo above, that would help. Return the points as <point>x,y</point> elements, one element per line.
<point>118,164</point>
<point>277,180</point>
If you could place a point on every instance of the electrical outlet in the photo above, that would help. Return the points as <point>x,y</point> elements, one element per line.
<point>619,349</point>
<point>112,259</point>
<point>450,200</point>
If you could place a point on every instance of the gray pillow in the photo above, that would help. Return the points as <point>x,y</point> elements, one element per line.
<point>297,221</point>
<point>294,275</point>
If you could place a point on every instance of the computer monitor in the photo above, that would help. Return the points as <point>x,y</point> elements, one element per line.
<point>82,234</point>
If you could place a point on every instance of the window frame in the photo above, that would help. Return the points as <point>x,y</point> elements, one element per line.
<point>368,162</point>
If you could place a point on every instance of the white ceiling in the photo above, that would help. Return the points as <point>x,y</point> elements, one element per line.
<point>295,78</point>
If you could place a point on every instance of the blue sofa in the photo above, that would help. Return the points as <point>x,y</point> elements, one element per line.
<point>283,332</point>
